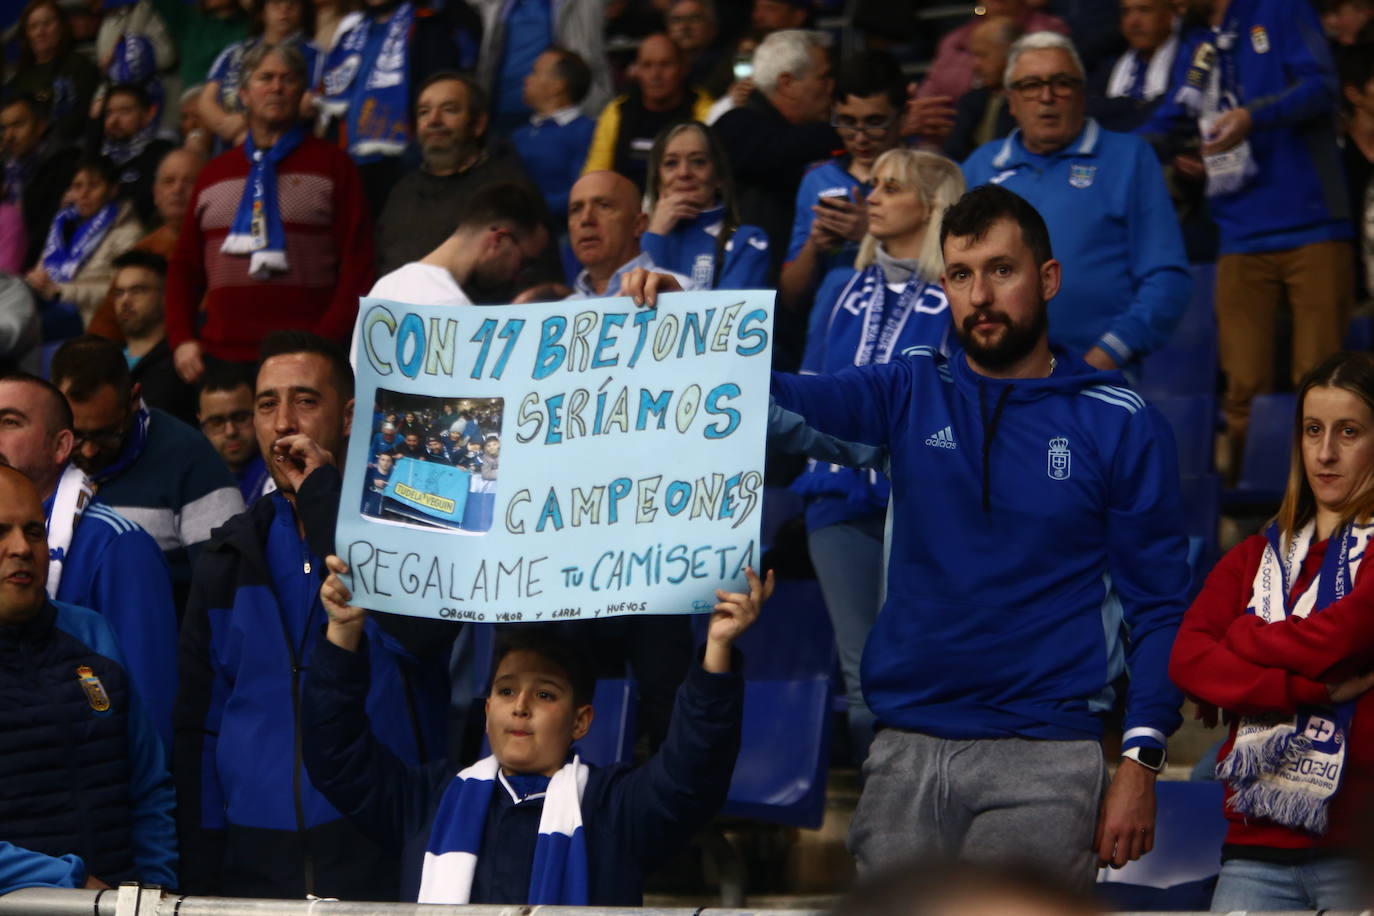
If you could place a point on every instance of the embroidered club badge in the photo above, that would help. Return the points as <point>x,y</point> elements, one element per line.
<point>1259,39</point>
<point>1081,176</point>
<point>95,691</point>
<point>1059,457</point>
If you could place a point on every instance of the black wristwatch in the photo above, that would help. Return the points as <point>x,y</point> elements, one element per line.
<point>1151,758</point>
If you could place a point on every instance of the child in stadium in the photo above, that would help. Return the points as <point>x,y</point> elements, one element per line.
<point>531,823</point>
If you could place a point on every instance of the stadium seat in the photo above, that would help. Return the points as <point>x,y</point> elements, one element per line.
<point>611,739</point>
<point>1181,870</point>
<point>1264,464</point>
<point>1360,334</point>
<point>1187,364</point>
<point>1193,420</point>
<point>1202,514</point>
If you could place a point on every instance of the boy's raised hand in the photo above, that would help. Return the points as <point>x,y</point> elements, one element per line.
<point>345,628</point>
<point>734,613</point>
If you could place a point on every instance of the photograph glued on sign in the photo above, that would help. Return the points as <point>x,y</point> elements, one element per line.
<point>433,462</point>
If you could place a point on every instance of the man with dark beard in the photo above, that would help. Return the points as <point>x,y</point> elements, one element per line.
<point>1036,521</point>
<point>500,230</point>
<point>451,127</point>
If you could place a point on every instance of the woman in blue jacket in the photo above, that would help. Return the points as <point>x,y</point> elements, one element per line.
<point>889,301</point>
<point>694,226</point>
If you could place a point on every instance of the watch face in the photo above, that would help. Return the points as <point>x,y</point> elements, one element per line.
<point>1152,757</point>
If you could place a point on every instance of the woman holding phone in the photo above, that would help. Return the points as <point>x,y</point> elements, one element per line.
<point>1281,640</point>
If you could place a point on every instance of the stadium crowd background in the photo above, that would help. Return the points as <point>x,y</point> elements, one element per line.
<point>493,151</point>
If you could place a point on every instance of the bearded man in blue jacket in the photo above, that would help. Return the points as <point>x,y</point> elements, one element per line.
<point>1037,555</point>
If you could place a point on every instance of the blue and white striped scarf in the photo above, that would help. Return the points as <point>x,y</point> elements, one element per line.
<point>257,228</point>
<point>559,875</point>
<point>1286,768</point>
<point>63,257</point>
<point>371,93</point>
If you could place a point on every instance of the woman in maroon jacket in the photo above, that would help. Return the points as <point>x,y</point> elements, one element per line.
<point>1281,640</point>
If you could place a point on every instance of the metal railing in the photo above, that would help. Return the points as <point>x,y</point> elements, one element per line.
<point>136,900</point>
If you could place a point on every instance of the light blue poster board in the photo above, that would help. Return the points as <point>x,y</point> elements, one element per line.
<point>620,467</point>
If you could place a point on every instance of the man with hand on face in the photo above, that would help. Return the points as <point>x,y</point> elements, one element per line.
<point>225,416</point>
<point>451,120</point>
<point>251,823</point>
<point>98,558</point>
<point>604,225</point>
<point>1126,280</point>
<point>88,802</point>
<point>147,465</point>
<point>1052,486</point>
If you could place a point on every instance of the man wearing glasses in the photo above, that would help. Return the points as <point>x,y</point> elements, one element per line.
<point>1126,279</point>
<point>148,466</point>
<point>137,296</point>
<point>830,219</point>
<point>225,415</point>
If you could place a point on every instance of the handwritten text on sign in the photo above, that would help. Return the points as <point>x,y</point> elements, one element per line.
<point>559,460</point>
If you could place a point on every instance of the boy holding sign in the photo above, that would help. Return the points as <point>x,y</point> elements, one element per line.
<point>511,828</point>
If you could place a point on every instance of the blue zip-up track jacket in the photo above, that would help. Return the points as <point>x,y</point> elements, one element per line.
<point>1032,561</point>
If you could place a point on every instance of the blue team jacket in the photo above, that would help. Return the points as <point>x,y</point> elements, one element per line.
<point>1285,77</point>
<point>115,567</point>
<point>1032,561</point>
<point>250,820</point>
<point>690,249</point>
<point>1112,225</point>
<point>84,788</point>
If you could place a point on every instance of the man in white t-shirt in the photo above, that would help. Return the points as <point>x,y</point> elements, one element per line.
<point>500,231</point>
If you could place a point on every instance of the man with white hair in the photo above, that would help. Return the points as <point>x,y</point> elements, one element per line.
<point>1126,280</point>
<point>781,129</point>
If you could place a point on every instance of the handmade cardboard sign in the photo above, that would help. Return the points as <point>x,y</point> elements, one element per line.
<point>558,460</point>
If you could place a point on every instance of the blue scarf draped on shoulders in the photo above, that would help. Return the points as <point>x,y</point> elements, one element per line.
<point>366,82</point>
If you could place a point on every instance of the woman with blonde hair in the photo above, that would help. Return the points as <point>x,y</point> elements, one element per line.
<point>1281,641</point>
<point>889,301</point>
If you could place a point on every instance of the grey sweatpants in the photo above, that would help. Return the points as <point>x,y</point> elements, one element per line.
<point>989,800</point>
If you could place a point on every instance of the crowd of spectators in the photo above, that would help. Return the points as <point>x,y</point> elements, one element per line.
<point>196,194</point>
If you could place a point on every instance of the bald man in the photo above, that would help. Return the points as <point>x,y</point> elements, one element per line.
<point>69,704</point>
<point>604,225</point>
<point>659,97</point>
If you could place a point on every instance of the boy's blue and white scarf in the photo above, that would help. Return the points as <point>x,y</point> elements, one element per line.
<point>257,228</point>
<point>559,875</point>
<point>1286,768</point>
<point>375,108</point>
<point>63,256</point>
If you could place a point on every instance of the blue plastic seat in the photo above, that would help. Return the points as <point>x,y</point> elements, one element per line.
<point>1360,334</point>
<point>1187,364</point>
<point>789,655</point>
<point>1193,420</point>
<point>1181,871</point>
<point>1268,443</point>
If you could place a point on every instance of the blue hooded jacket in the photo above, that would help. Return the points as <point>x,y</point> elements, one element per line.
<point>1037,552</point>
<point>690,249</point>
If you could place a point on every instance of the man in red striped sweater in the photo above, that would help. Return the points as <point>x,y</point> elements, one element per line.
<point>277,234</point>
